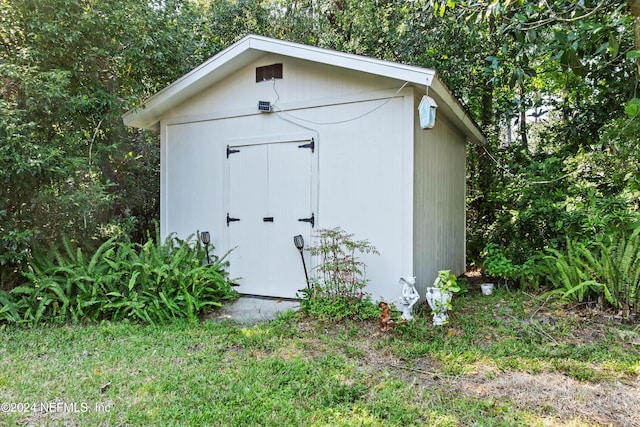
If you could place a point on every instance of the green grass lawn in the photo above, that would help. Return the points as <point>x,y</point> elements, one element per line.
<point>508,359</point>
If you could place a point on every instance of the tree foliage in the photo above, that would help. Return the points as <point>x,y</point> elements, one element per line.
<point>560,80</point>
<point>553,85</point>
<point>68,71</point>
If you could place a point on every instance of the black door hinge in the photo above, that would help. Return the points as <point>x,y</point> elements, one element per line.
<point>311,220</point>
<point>229,219</point>
<point>230,151</point>
<point>311,145</point>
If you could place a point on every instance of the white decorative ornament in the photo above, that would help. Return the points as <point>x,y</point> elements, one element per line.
<point>408,298</point>
<point>427,112</point>
<point>438,302</point>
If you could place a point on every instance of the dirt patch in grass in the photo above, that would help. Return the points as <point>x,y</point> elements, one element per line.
<point>546,386</point>
<point>556,395</point>
<point>557,398</point>
<point>551,395</point>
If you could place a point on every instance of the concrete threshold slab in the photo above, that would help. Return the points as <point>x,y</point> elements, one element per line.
<point>251,309</point>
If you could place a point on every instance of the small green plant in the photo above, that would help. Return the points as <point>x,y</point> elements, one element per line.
<point>338,284</point>
<point>320,307</point>
<point>463,284</point>
<point>340,272</point>
<point>497,265</point>
<point>447,282</point>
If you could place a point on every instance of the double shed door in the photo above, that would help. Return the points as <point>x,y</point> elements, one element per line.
<point>269,194</point>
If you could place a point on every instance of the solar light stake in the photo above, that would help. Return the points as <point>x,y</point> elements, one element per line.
<point>206,239</point>
<point>299,242</point>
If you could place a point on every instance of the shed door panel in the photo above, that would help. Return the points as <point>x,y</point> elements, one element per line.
<point>270,190</point>
<point>247,195</point>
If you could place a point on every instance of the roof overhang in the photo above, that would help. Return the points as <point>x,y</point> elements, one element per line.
<point>251,47</point>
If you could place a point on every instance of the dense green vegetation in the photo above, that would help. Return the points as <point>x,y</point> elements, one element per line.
<point>153,283</point>
<point>503,360</point>
<point>554,85</point>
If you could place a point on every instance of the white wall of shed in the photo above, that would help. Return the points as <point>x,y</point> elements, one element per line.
<point>439,201</point>
<point>191,177</point>
<point>194,173</point>
<point>365,177</point>
<point>366,184</point>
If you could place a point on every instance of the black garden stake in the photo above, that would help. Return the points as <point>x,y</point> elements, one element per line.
<point>206,239</point>
<point>299,242</point>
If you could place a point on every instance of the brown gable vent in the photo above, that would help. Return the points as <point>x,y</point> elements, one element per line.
<point>268,72</point>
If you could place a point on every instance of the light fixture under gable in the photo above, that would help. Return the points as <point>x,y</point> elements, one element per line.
<point>427,111</point>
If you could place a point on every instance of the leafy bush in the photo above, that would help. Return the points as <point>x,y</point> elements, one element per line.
<point>340,273</point>
<point>316,305</point>
<point>151,283</point>
<point>496,264</point>
<point>559,190</point>
<point>609,269</point>
<point>340,278</point>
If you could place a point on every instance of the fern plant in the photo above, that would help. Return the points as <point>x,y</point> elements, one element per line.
<point>151,283</point>
<point>608,270</point>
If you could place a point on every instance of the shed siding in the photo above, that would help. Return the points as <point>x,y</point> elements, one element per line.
<point>194,171</point>
<point>189,192</point>
<point>365,184</point>
<point>364,176</point>
<point>311,83</point>
<point>439,205</point>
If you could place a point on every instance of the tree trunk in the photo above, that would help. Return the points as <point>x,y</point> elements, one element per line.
<point>634,6</point>
<point>524,141</point>
<point>485,209</point>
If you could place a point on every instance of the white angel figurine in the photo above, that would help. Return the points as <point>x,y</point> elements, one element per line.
<point>409,297</point>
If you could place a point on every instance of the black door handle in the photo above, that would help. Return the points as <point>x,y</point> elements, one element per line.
<point>268,219</point>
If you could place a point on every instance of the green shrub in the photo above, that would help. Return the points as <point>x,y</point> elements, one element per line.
<point>339,272</point>
<point>497,265</point>
<point>151,283</point>
<point>608,269</point>
<point>340,278</point>
<point>315,305</point>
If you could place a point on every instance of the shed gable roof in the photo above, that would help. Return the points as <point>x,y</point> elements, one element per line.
<point>252,47</point>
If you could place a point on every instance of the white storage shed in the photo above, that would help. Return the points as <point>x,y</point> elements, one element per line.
<point>269,139</point>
